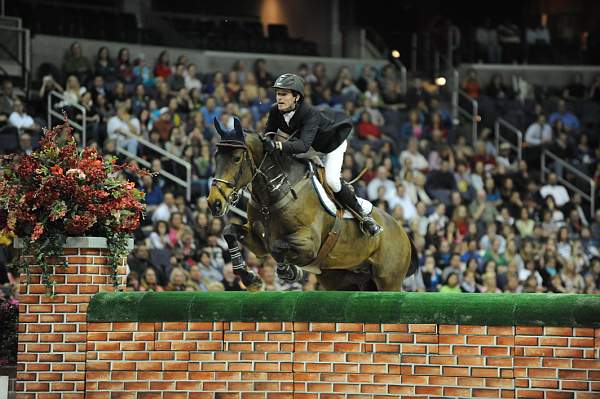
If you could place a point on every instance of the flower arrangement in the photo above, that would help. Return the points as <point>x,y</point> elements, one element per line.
<point>62,191</point>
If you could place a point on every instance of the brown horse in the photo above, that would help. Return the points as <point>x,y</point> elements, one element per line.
<point>286,219</point>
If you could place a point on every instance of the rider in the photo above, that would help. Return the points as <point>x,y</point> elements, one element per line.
<point>325,131</point>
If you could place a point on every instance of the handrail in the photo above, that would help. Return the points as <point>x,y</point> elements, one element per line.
<point>52,112</point>
<point>519,134</point>
<point>24,58</point>
<point>590,197</point>
<point>188,166</point>
<point>474,114</point>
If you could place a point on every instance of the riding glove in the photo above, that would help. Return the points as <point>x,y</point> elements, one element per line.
<point>271,145</point>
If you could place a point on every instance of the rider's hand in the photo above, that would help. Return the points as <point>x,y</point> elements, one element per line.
<point>271,146</point>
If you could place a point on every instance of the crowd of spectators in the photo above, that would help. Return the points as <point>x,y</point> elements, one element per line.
<point>479,218</point>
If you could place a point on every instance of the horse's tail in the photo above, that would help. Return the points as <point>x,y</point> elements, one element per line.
<point>414,259</point>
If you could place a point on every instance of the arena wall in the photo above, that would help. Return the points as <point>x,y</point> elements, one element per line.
<point>342,345</point>
<point>47,48</point>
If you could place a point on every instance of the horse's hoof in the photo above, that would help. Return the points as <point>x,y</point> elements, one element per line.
<point>256,286</point>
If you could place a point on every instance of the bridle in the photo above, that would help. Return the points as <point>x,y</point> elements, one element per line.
<point>233,198</point>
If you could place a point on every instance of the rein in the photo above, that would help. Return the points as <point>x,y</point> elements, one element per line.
<point>233,198</point>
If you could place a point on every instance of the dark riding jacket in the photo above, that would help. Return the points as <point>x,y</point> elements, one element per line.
<point>324,130</point>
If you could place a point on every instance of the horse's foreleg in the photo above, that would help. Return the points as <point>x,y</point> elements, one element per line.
<point>231,233</point>
<point>288,272</point>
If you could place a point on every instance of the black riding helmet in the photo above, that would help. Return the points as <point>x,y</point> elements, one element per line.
<point>290,81</point>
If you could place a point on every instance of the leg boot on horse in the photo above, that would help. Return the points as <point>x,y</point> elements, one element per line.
<point>250,279</point>
<point>348,199</point>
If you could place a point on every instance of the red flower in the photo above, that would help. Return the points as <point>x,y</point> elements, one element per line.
<point>56,170</point>
<point>38,230</point>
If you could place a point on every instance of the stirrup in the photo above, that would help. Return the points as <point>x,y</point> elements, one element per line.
<point>367,220</point>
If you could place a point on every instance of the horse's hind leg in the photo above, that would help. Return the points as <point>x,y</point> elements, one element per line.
<point>231,233</point>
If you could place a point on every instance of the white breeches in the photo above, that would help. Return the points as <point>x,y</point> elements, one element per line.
<point>333,167</point>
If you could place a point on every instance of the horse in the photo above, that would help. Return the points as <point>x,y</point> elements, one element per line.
<point>285,218</point>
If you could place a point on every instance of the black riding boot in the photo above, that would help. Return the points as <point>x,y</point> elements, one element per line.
<point>347,198</point>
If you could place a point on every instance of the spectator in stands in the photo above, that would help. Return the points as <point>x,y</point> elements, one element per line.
<point>367,75</point>
<point>73,91</point>
<point>344,85</point>
<point>414,157</point>
<point>197,280</point>
<point>594,93</point>
<point>263,77</point>
<point>77,64</point>
<point>539,133</point>
<point>471,84</point>
<point>104,66</point>
<point>149,281</point>
<point>124,127</point>
<point>366,129</point>
<point>48,84</point>
<point>20,119</point>
<point>567,118</point>
<point>537,38</point>
<point>576,90</point>
<point>210,111</point>
<point>124,67</point>
<point>487,40</point>
<point>142,72</point>
<point>557,191</point>
<point>177,79</point>
<point>412,129</point>
<point>382,180</point>
<point>402,199</point>
<point>162,68</point>
<point>440,183</point>
<point>451,284</point>
<point>509,36</point>
<point>191,78</point>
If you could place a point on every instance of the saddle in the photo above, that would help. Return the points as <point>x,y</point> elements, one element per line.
<point>331,205</point>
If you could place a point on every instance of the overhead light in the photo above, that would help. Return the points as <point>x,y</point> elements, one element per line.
<point>441,81</point>
<point>395,54</point>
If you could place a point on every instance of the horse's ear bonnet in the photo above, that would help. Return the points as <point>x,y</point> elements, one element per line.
<point>231,138</point>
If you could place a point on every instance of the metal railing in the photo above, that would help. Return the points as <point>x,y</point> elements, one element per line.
<point>591,197</point>
<point>473,115</point>
<point>187,183</point>
<point>52,112</point>
<point>15,46</point>
<point>498,137</point>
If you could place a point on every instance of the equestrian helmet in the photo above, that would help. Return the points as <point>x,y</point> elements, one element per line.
<point>290,81</point>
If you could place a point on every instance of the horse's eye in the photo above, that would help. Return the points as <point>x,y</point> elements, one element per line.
<point>237,159</point>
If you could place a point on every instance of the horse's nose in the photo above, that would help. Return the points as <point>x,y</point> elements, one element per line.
<point>216,207</point>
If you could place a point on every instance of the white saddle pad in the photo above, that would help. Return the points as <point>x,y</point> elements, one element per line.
<point>330,206</point>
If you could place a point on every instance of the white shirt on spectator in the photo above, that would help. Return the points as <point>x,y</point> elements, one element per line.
<point>373,187</point>
<point>192,83</point>
<point>560,193</point>
<point>115,124</point>
<point>163,212</point>
<point>418,161</point>
<point>20,121</point>
<point>538,134</point>
<point>410,211</point>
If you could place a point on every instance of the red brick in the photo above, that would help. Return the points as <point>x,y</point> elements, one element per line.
<point>472,330</point>
<point>526,341</point>
<point>526,393</point>
<point>486,393</point>
<point>455,371</point>
<point>452,339</point>
<point>529,330</point>
<point>572,374</point>
<point>566,352</point>
<point>471,382</point>
<point>395,328</point>
<point>582,342</point>
<point>558,331</point>
<point>480,340</point>
<point>553,341</point>
<point>549,384</point>
<point>575,385</point>
<point>428,390</point>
